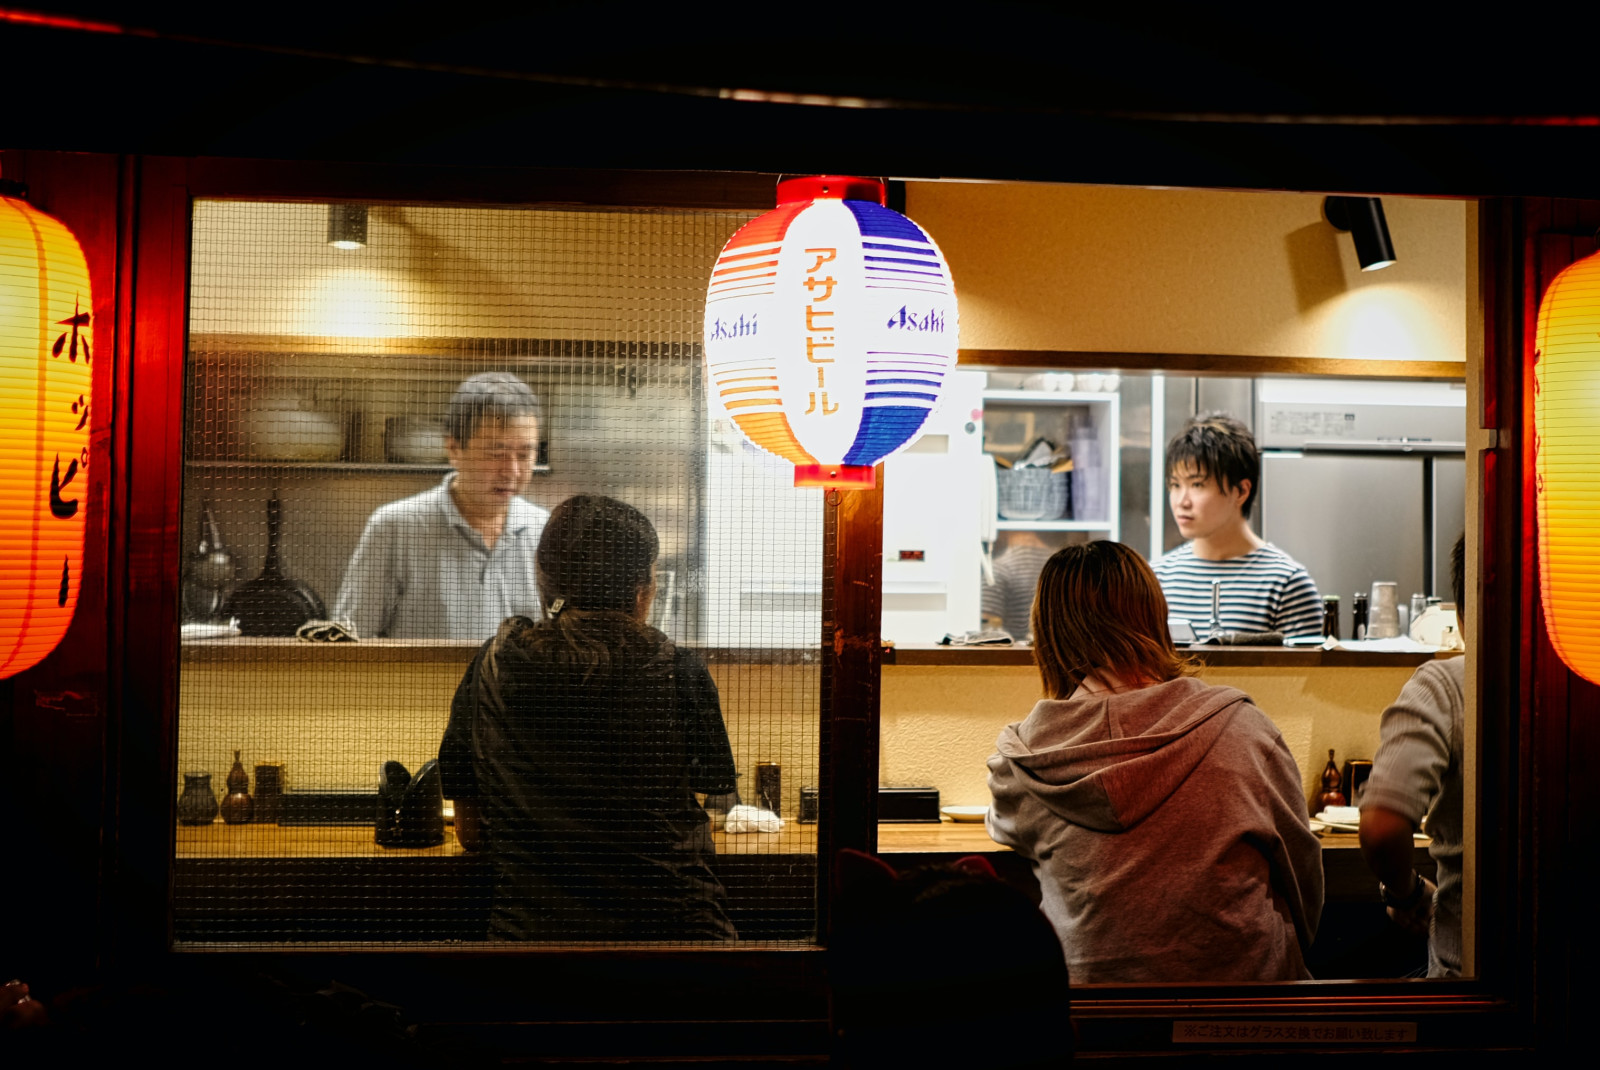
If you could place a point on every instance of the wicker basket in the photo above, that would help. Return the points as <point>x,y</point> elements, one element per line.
<point>1032,493</point>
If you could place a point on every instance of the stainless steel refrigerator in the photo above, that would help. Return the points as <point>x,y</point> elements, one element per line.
<point>1363,481</point>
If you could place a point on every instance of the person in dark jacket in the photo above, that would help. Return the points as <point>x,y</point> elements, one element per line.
<point>576,745</point>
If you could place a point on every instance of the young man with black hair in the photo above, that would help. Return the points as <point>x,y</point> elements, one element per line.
<point>1213,475</point>
<point>455,561</point>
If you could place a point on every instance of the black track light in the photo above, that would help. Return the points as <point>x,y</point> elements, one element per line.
<point>1363,218</point>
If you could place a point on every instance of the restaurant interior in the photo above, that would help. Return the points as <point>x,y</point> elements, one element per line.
<point>280,332</point>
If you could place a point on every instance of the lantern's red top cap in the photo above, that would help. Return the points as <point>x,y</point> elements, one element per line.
<point>840,187</point>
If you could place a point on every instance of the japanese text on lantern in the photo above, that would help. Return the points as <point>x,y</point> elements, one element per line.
<point>819,327</point>
<point>46,349</point>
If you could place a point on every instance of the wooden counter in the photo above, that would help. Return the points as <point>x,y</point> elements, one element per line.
<point>253,885</point>
<point>220,840</point>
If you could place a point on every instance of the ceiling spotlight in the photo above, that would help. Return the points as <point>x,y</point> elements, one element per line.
<point>347,226</point>
<point>1363,218</point>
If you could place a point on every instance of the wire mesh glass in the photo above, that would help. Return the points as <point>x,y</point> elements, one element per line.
<point>362,532</point>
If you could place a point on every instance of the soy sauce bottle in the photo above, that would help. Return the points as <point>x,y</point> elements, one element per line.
<point>1358,619</point>
<point>1330,616</point>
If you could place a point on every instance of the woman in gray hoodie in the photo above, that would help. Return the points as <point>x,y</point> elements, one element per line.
<point>1164,817</point>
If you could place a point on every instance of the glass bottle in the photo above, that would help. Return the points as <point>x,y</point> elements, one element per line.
<point>1330,616</point>
<point>1358,616</point>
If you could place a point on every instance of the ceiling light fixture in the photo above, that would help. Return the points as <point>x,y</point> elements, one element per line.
<point>1363,218</point>
<point>347,226</point>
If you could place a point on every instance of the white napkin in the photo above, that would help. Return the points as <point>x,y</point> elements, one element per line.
<point>752,819</point>
<point>209,631</point>
<point>1398,645</point>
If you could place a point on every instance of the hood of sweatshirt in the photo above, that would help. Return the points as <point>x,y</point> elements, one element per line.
<point>1106,761</point>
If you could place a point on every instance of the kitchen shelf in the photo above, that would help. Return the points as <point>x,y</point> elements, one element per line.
<point>1042,397</point>
<point>343,466</point>
<point>1053,525</point>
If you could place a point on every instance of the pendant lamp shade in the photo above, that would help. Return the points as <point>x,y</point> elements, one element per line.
<point>830,328</point>
<point>46,345</point>
<point>1566,411</point>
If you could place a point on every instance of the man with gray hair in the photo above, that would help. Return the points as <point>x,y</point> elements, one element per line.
<point>455,561</point>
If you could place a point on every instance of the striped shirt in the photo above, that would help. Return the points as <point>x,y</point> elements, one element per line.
<point>1010,596</point>
<point>1264,590</point>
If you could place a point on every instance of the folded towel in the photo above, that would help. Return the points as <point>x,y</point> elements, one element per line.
<point>752,819</point>
<point>1245,639</point>
<point>327,631</point>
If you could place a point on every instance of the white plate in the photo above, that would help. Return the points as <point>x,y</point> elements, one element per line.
<point>965,813</point>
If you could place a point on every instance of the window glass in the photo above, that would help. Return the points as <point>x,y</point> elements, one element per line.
<point>467,565</point>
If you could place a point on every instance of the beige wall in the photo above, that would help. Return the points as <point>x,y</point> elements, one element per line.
<point>1194,271</point>
<point>264,268</point>
<point>334,725</point>
<point>940,722</point>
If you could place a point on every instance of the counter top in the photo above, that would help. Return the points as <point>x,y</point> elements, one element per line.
<point>220,840</point>
<point>252,650</point>
<point>1220,656</point>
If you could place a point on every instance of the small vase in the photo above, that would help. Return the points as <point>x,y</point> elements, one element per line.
<point>198,803</point>
<point>1331,780</point>
<point>238,807</point>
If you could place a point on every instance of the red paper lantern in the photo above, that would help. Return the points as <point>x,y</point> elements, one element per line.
<point>46,345</point>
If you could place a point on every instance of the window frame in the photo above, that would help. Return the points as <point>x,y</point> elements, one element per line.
<point>1495,1009</point>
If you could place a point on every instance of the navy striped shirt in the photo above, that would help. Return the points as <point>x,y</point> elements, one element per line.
<point>1264,590</point>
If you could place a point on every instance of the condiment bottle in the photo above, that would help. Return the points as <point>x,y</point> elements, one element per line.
<point>1358,616</point>
<point>238,807</point>
<point>1331,780</point>
<point>769,786</point>
<point>1330,616</point>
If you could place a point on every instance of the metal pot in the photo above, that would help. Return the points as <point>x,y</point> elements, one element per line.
<point>210,573</point>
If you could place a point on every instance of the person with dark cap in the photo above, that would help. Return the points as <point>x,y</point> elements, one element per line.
<point>577,742</point>
<point>455,561</point>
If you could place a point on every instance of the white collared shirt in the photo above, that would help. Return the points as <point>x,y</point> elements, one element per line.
<point>421,571</point>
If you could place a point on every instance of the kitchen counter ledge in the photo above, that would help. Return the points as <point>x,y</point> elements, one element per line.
<point>1219,656</point>
<point>241,650</point>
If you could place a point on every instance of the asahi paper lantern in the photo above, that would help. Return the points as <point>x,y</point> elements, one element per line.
<point>46,346</point>
<point>1566,411</point>
<point>830,329</point>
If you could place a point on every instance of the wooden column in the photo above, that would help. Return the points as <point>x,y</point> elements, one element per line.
<point>852,652</point>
